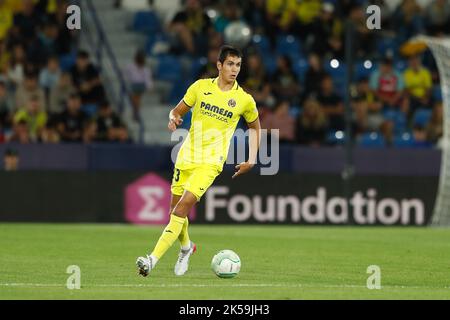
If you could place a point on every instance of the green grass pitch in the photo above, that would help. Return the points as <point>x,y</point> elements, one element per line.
<point>278,262</point>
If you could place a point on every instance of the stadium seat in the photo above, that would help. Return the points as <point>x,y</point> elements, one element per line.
<point>169,68</point>
<point>437,93</point>
<point>178,90</point>
<point>387,46</point>
<point>362,71</point>
<point>196,66</point>
<point>154,39</point>
<point>335,138</point>
<point>400,65</point>
<point>146,22</point>
<point>300,67</point>
<point>295,111</point>
<point>67,61</point>
<point>398,118</point>
<point>421,117</point>
<point>261,43</point>
<point>270,63</point>
<point>372,140</point>
<point>288,45</point>
<point>90,109</point>
<point>338,74</point>
<point>404,140</point>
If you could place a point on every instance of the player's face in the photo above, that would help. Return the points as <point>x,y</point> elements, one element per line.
<point>230,68</point>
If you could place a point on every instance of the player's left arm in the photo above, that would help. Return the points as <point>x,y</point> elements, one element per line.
<point>254,141</point>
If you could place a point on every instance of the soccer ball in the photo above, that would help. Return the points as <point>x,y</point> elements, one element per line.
<point>226,264</point>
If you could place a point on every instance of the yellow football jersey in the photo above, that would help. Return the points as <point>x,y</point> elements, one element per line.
<point>215,115</point>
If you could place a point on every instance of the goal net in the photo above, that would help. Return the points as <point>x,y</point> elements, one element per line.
<point>440,48</point>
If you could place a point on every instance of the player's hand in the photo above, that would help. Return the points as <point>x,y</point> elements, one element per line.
<point>174,122</point>
<point>242,168</point>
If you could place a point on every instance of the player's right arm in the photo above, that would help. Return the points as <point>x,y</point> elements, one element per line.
<point>176,115</point>
<point>188,101</point>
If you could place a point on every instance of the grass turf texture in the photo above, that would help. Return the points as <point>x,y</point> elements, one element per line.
<point>277,262</point>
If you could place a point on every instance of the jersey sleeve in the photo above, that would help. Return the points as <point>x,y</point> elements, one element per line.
<point>190,98</point>
<point>251,112</point>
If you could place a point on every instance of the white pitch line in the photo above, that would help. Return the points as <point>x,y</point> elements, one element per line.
<point>248,285</point>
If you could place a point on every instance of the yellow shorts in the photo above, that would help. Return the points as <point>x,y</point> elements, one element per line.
<point>196,180</point>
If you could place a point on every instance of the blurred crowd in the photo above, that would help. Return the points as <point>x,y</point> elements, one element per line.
<point>50,92</point>
<point>294,65</point>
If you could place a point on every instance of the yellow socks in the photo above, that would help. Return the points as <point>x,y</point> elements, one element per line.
<point>169,235</point>
<point>184,236</point>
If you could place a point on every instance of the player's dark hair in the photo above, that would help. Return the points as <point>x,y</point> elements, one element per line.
<point>226,51</point>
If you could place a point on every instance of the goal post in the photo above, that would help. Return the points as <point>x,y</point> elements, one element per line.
<point>440,47</point>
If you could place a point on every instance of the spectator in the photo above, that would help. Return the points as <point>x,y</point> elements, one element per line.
<point>420,136</point>
<point>360,118</point>
<point>49,76</point>
<point>30,87</point>
<point>4,58</point>
<point>34,116</point>
<point>50,133</point>
<point>363,38</point>
<point>6,18</point>
<point>45,45</point>
<point>327,33</point>
<point>312,124</point>
<point>255,14</point>
<point>255,81</point>
<point>140,79</point>
<point>284,81</point>
<point>387,131</point>
<point>408,20</point>
<point>282,120</point>
<point>388,85</point>
<point>230,11</point>
<point>435,127</point>
<point>11,160</point>
<point>86,79</point>
<point>72,121</point>
<point>438,17</point>
<point>314,75</point>
<point>26,22</point>
<point>209,70</point>
<point>190,28</point>
<point>5,108</point>
<point>20,133</point>
<point>418,84</point>
<point>366,97</point>
<point>332,104</point>
<point>16,68</point>
<point>90,132</point>
<point>299,16</point>
<point>60,93</point>
<point>109,125</point>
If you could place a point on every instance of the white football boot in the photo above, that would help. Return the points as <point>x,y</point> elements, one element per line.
<point>182,264</point>
<point>145,265</point>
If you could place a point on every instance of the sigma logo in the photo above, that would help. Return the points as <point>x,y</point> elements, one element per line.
<point>316,209</point>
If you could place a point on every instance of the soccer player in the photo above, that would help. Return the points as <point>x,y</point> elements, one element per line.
<point>217,105</point>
